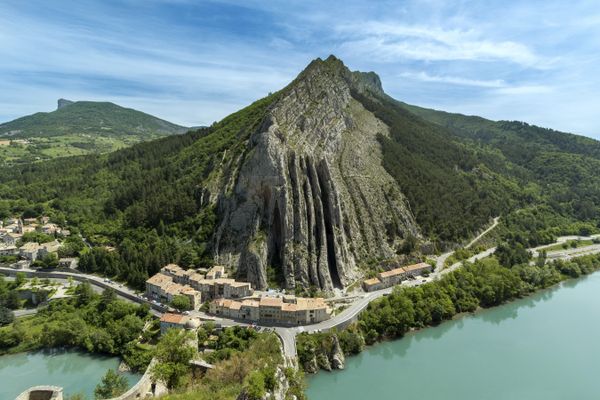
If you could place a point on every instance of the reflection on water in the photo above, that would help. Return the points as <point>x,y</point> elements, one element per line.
<point>542,347</point>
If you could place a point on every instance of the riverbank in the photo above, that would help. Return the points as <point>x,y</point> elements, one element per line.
<point>99,324</point>
<point>542,347</point>
<point>75,371</point>
<point>484,284</point>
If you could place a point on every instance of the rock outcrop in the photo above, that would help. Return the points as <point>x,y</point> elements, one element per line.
<point>337,355</point>
<point>311,200</point>
<point>63,103</point>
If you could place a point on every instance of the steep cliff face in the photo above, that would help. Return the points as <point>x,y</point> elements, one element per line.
<point>311,199</point>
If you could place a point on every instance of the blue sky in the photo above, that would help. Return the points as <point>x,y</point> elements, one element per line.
<point>194,62</point>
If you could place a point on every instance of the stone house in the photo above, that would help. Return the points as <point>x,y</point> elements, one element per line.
<point>289,310</point>
<point>170,321</point>
<point>68,262</point>
<point>8,250</point>
<point>47,248</point>
<point>30,251</point>
<point>372,284</point>
<point>418,269</point>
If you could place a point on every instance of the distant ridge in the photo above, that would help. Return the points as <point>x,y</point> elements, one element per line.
<point>80,127</point>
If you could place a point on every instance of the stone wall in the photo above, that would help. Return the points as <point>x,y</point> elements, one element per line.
<point>141,389</point>
<point>42,393</point>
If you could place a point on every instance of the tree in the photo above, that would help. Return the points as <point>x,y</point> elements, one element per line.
<point>13,301</point>
<point>6,316</point>
<point>512,254</point>
<point>50,260</point>
<point>20,279</point>
<point>143,310</point>
<point>173,354</point>
<point>112,385</point>
<point>541,261</point>
<point>408,245</point>
<point>255,387</point>
<point>108,296</point>
<point>85,293</point>
<point>182,303</point>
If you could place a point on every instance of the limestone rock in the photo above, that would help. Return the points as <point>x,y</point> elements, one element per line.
<point>337,355</point>
<point>323,362</point>
<point>310,198</point>
<point>311,366</point>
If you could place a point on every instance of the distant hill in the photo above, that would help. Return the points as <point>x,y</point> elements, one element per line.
<point>77,128</point>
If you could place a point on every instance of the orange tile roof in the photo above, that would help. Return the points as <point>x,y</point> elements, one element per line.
<point>270,302</point>
<point>289,307</point>
<point>417,266</point>
<point>393,272</point>
<point>372,281</point>
<point>306,303</point>
<point>173,318</point>
<point>250,303</point>
<point>159,279</point>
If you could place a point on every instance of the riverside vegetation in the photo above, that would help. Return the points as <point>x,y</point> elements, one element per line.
<point>91,322</point>
<point>245,360</point>
<point>485,283</point>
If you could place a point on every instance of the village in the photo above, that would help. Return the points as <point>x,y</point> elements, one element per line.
<point>207,291</point>
<point>218,295</point>
<point>15,245</point>
<point>228,298</point>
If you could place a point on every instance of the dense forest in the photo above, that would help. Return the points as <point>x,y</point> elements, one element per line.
<point>459,171</point>
<point>96,323</point>
<point>149,201</point>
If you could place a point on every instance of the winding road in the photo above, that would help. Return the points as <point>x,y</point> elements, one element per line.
<point>287,335</point>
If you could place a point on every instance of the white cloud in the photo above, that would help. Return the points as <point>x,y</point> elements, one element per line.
<point>525,89</point>
<point>391,42</point>
<point>455,80</point>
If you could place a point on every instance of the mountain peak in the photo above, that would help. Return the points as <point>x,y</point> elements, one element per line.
<point>63,103</point>
<point>334,67</point>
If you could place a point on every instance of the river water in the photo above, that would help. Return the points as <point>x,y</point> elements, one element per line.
<point>76,372</point>
<point>544,347</point>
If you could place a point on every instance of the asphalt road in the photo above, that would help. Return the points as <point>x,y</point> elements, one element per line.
<point>287,335</point>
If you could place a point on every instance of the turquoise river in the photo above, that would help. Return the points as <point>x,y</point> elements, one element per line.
<point>546,346</point>
<point>76,372</point>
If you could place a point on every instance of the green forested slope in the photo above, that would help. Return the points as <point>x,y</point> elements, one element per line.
<point>150,201</point>
<point>145,200</point>
<point>559,171</point>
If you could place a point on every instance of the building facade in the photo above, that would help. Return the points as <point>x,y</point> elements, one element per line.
<point>173,280</point>
<point>395,276</point>
<point>289,310</point>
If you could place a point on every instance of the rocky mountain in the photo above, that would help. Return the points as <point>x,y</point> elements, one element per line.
<point>311,196</point>
<point>315,186</point>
